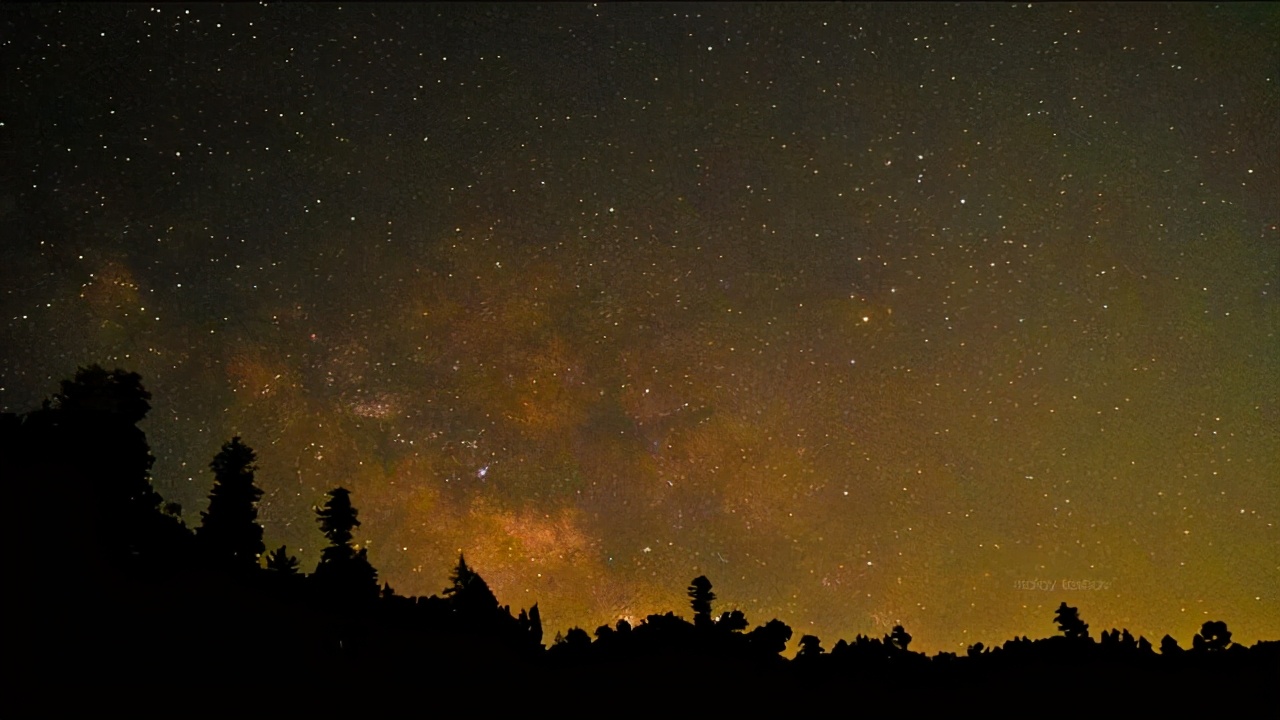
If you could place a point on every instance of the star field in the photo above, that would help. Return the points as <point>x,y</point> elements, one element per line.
<point>870,313</point>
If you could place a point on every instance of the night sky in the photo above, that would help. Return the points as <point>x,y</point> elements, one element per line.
<point>871,314</point>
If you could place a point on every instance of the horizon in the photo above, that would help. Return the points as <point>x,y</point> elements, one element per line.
<point>871,314</point>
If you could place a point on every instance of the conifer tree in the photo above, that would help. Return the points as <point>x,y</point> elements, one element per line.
<point>342,571</point>
<point>1069,622</point>
<point>700,598</point>
<point>229,530</point>
<point>337,521</point>
<point>468,592</point>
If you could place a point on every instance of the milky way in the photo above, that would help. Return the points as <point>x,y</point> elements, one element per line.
<point>872,314</point>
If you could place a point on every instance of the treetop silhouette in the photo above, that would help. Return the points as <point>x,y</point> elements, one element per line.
<point>338,519</point>
<point>899,639</point>
<point>468,592</point>
<point>733,621</point>
<point>700,599</point>
<point>95,417</point>
<point>345,571</point>
<point>810,647</point>
<point>1070,624</point>
<point>229,530</point>
<point>1213,637</point>
<point>116,394</point>
<point>770,638</point>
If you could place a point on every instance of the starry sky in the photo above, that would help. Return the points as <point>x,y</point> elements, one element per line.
<point>873,314</point>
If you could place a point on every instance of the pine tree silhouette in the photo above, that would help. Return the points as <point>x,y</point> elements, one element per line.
<point>468,593</point>
<point>700,598</point>
<point>229,531</point>
<point>337,521</point>
<point>342,571</point>
<point>1069,622</point>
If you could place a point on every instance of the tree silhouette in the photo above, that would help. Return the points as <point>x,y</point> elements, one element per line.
<point>1128,640</point>
<point>810,647</point>
<point>280,561</point>
<point>1069,622</point>
<point>468,593</point>
<point>1213,636</point>
<point>700,598</point>
<point>103,409</point>
<point>732,621</point>
<point>899,639</point>
<point>90,442</point>
<point>343,571</point>
<point>531,622</point>
<point>337,520</point>
<point>229,530</point>
<point>362,575</point>
<point>576,637</point>
<point>96,415</point>
<point>117,395</point>
<point>770,638</point>
<point>574,644</point>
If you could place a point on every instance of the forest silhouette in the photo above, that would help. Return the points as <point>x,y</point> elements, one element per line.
<point>100,600</point>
